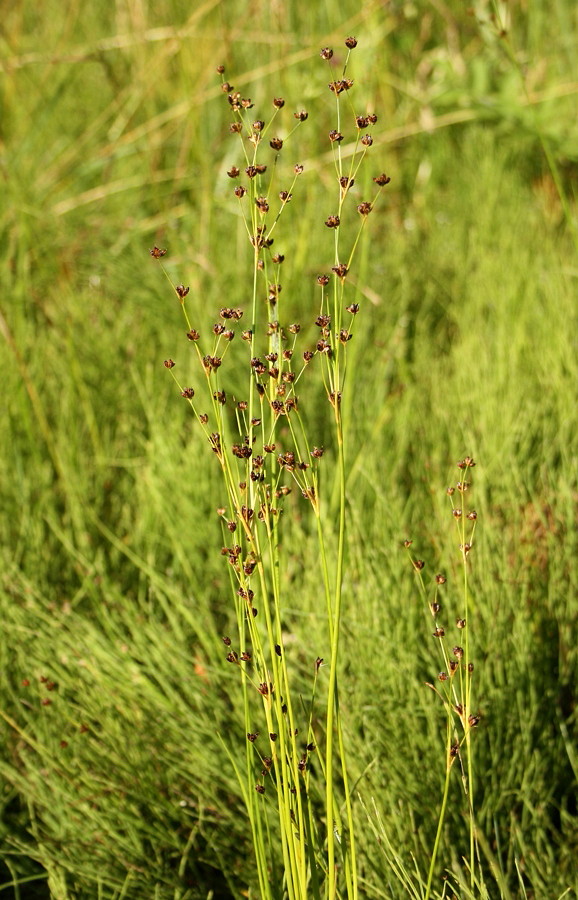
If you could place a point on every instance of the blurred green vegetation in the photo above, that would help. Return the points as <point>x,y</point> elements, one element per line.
<point>113,137</point>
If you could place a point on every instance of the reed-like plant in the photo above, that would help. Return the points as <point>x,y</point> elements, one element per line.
<point>455,679</point>
<point>295,760</point>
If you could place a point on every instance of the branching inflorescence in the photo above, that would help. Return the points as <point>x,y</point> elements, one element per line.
<point>261,444</point>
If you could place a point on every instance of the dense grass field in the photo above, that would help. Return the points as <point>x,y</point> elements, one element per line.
<point>116,702</point>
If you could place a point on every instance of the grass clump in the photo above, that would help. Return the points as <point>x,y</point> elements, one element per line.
<point>259,436</point>
<point>112,586</point>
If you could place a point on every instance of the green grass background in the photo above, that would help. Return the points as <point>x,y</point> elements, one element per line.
<point>113,137</point>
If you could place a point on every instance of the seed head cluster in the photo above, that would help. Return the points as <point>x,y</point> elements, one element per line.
<point>245,396</point>
<point>457,657</point>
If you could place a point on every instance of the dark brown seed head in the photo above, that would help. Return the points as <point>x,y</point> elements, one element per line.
<point>235,127</point>
<point>326,53</point>
<point>220,69</point>
<point>443,676</point>
<point>258,125</point>
<point>233,172</point>
<point>473,721</point>
<point>240,191</point>
<point>278,102</point>
<point>382,179</point>
<point>276,143</point>
<point>364,208</point>
<point>323,280</point>
<point>461,623</point>
<point>301,115</point>
<point>372,118</point>
<point>252,736</point>
<point>278,258</point>
<point>182,291</point>
<point>341,270</point>
<point>435,608</point>
<point>285,196</point>
<point>346,183</point>
<point>332,221</point>
<point>367,140</point>
<point>353,308</point>
<point>439,633</point>
<point>188,393</point>
<point>441,579</point>
<point>458,652</point>
<point>335,137</point>
<point>350,43</point>
<point>156,253</point>
<point>344,336</point>
<point>169,363</point>
<point>259,788</point>
<point>298,169</point>
<point>362,121</point>
<point>418,564</point>
<point>472,515</point>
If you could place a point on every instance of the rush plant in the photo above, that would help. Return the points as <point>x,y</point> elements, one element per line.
<point>294,774</point>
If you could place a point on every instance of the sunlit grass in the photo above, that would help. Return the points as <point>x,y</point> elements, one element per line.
<point>112,590</point>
